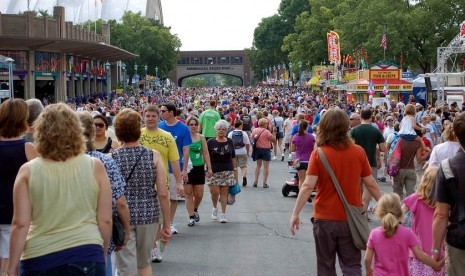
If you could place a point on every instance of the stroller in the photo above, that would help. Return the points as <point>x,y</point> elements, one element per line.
<point>292,185</point>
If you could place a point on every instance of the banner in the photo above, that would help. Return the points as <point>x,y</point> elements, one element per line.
<point>334,48</point>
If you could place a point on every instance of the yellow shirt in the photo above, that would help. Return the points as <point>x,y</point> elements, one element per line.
<point>64,198</point>
<point>161,141</point>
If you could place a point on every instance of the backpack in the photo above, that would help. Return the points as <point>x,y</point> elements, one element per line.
<point>246,119</point>
<point>238,139</point>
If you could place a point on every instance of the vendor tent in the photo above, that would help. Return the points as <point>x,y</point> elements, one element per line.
<point>420,82</point>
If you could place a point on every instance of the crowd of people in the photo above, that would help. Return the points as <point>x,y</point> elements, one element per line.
<point>103,158</point>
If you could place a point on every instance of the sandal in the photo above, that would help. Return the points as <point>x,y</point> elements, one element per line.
<point>265,185</point>
<point>255,184</point>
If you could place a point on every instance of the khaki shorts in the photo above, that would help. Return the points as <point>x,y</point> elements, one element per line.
<point>241,161</point>
<point>173,191</point>
<point>137,252</point>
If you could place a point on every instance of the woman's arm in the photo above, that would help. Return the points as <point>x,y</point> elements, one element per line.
<point>21,218</point>
<point>163,195</point>
<point>206,156</point>
<point>104,212</point>
<point>115,144</point>
<point>30,150</point>
<point>305,192</point>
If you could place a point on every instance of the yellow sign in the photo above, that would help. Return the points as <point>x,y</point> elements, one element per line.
<point>384,74</point>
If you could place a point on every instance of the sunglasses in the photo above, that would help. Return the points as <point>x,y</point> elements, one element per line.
<point>99,125</point>
<point>163,111</point>
<point>193,124</point>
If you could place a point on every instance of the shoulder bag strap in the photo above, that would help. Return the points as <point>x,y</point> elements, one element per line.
<point>135,164</point>
<point>333,178</point>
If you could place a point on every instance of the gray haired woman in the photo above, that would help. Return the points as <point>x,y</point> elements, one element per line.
<point>222,158</point>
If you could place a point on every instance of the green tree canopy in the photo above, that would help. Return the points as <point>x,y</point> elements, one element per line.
<point>155,45</point>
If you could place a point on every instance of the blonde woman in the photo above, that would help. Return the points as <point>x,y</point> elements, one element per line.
<point>48,233</point>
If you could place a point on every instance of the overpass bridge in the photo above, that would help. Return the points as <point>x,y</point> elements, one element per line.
<point>193,63</point>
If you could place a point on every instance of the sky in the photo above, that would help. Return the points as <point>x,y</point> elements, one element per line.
<point>216,24</point>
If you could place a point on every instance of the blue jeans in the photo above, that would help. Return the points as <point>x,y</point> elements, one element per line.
<point>73,269</point>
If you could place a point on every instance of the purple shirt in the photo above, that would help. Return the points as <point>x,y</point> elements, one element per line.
<point>303,146</point>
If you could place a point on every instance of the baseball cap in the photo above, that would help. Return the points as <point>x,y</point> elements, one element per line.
<point>389,118</point>
<point>417,104</point>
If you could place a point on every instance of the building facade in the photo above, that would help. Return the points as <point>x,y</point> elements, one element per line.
<point>58,60</point>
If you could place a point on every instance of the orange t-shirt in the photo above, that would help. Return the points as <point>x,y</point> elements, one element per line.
<point>349,166</point>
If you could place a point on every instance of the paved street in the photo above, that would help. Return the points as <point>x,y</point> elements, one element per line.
<point>255,241</point>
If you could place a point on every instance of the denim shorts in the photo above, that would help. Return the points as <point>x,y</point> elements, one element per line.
<point>263,154</point>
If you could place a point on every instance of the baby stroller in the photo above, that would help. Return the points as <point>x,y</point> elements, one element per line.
<point>292,185</point>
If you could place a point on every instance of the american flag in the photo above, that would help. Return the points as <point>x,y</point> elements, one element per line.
<point>384,41</point>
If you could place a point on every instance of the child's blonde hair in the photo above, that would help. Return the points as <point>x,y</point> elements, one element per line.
<point>409,110</point>
<point>389,211</point>
<point>426,184</point>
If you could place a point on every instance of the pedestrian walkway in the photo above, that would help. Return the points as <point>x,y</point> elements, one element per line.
<point>255,241</point>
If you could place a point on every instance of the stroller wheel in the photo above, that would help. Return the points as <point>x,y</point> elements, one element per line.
<point>285,190</point>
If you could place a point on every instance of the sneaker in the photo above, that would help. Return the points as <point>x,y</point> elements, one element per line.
<point>173,229</point>
<point>214,214</point>
<point>156,258</point>
<point>196,217</point>
<point>223,218</point>
<point>274,158</point>
<point>282,158</point>
<point>191,222</point>
<point>244,181</point>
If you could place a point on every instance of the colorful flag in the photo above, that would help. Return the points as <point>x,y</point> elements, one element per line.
<point>334,47</point>
<point>371,88</point>
<point>384,41</point>
<point>385,88</point>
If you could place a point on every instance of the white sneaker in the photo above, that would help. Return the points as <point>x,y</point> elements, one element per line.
<point>156,258</point>
<point>223,218</point>
<point>173,229</point>
<point>274,158</point>
<point>191,222</point>
<point>214,214</point>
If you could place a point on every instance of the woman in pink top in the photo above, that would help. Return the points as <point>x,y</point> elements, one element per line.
<point>262,154</point>
<point>422,207</point>
<point>390,243</point>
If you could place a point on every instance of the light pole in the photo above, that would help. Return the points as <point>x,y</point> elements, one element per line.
<point>107,67</point>
<point>10,77</point>
<point>136,79</point>
<point>279,68</point>
<point>300,73</point>
<point>263,75</point>
<point>123,68</point>
<point>290,73</point>
<point>145,82</point>
<point>284,73</point>
<point>156,75</point>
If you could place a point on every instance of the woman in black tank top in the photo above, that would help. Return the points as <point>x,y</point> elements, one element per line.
<point>103,143</point>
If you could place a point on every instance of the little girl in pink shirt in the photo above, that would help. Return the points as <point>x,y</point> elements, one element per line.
<point>422,208</point>
<point>390,243</point>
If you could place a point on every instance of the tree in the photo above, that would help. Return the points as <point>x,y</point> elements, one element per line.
<point>268,36</point>
<point>153,42</point>
<point>194,82</point>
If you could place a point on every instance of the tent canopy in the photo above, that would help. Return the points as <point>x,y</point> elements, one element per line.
<point>420,82</point>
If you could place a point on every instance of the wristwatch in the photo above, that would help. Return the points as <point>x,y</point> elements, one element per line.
<point>434,251</point>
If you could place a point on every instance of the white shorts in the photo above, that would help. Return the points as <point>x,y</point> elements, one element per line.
<point>4,240</point>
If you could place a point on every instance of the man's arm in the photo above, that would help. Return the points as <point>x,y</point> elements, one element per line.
<point>440,221</point>
<point>372,187</point>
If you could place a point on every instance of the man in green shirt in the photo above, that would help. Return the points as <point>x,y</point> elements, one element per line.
<point>207,119</point>
<point>368,137</point>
